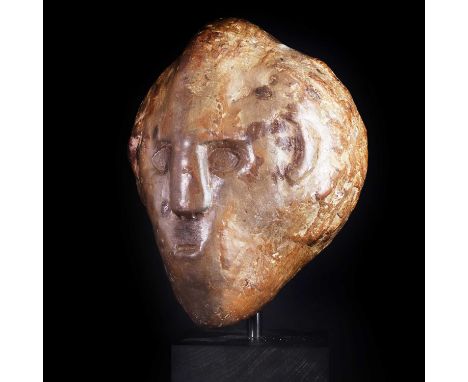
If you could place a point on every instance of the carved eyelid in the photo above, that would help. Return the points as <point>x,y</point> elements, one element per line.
<point>240,148</point>
<point>161,156</point>
<point>223,160</point>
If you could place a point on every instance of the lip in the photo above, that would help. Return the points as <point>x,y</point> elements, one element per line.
<point>186,250</point>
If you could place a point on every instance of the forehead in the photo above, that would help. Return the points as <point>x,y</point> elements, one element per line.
<point>230,77</point>
<point>227,102</point>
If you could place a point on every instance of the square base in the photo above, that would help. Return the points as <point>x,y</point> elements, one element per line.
<point>235,358</point>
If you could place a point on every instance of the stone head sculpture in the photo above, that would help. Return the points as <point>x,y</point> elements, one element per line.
<point>249,157</point>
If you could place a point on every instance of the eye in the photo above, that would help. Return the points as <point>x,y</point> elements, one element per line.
<point>223,160</point>
<point>160,159</point>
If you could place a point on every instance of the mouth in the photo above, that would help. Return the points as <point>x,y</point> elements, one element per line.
<point>186,250</point>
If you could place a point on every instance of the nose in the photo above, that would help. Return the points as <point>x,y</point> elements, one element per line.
<point>190,194</point>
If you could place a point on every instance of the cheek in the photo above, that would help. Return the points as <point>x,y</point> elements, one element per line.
<point>155,191</point>
<point>160,196</point>
<point>248,204</point>
<point>217,184</point>
<point>165,209</point>
<point>155,186</point>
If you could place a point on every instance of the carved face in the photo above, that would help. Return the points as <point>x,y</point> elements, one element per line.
<point>249,158</point>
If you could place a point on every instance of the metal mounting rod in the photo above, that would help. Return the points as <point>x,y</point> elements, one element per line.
<point>254,327</point>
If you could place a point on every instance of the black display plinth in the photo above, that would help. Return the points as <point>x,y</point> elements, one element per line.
<point>236,358</point>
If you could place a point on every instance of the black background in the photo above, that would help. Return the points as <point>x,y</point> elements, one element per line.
<point>110,313</point>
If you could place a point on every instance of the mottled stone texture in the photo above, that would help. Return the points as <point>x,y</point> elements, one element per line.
<point>249,157</point>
